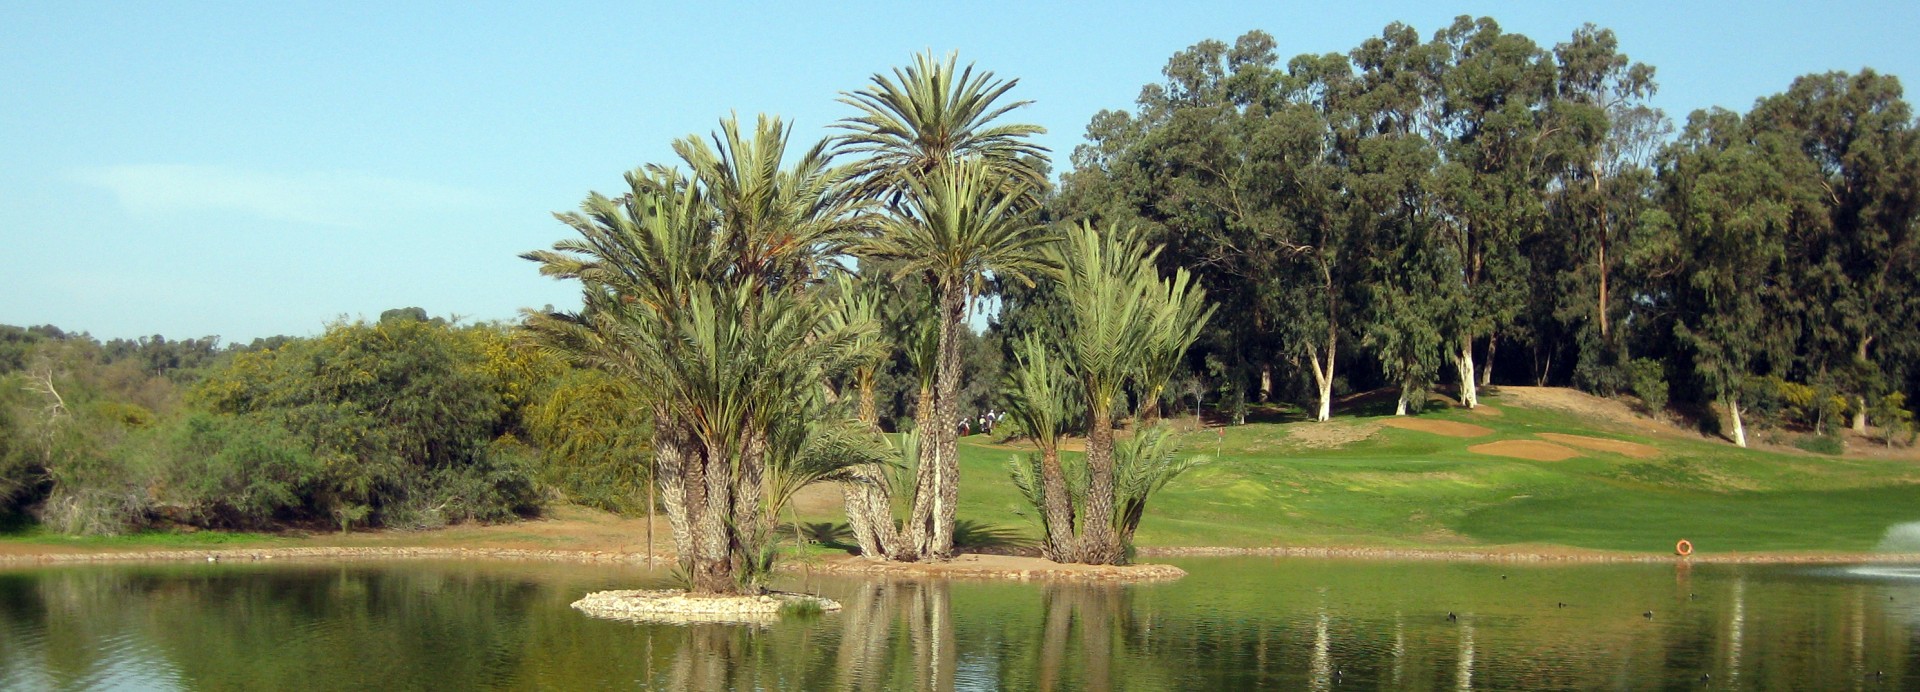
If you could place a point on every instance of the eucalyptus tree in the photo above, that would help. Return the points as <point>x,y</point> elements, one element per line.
<point>1408,288</point>
<point>702,290</point>
<point>961,188</point>
<point>1727,201</point>
<point>1858,239</point>
<point>1607,131</point>
<point>1490,89</point>
<point>954,228</point>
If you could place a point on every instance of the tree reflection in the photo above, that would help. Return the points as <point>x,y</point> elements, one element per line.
<point>358,626</point>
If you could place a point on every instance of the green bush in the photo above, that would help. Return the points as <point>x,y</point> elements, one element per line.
<point>1822,444</point>
<point>97,489</point>
<point>398,415</point>
<point>1649,378</point>
<point>236,471</point>
<point>1893,417</point>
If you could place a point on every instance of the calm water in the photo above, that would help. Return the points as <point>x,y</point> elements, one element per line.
<point>1234,623</point>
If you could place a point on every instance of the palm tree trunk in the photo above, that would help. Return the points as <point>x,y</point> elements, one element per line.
<point>1099,544</point>
<point>751,523</point>
<point>946,400</point>
<point>710,566</point>
<point>920,521</point>
<point>869,511</point>
<point>670,469</point>
<point>1057,502</point>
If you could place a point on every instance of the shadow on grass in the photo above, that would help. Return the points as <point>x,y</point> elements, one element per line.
<point>827,534</point>
<point>968,535</point>
<point>981,537</point>
<point>16,524</point>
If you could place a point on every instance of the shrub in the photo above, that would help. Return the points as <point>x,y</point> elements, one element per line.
<point>96,488</point>
<point>235,471</point>
<point>1649,378</point>
<point>1822,444</point>
<point>1893,416</point>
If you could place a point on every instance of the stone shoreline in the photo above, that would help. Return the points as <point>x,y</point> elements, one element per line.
<point>959,568</point>
<point>996,567</point>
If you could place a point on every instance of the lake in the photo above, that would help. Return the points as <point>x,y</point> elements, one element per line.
<point>1280,623</point>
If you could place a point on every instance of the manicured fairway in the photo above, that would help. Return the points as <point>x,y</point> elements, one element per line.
<point>1285,484</point>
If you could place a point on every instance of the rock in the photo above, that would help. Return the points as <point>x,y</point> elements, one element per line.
<point>681,607</point>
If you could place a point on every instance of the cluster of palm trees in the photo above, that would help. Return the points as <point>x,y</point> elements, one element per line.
<point>724,291</point>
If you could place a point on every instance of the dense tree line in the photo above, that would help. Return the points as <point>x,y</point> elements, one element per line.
<point>1476,208</point>
<point>404,422</point>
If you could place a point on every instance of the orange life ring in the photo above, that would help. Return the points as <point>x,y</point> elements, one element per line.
<point>1683,548</point>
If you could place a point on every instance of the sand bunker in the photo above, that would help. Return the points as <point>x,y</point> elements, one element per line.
<point>1601,444</point>
<point>1485,410</point>
<point>1437,427</point>
<point>1531,450</point>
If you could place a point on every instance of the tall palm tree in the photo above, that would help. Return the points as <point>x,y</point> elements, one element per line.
<point>955,228</point>
<point>1128,327</point>
<point>928,144</point>
<point>1039,398</point>
<point>1103,273</point>
<point>702,288</point>
<point>932,114</point>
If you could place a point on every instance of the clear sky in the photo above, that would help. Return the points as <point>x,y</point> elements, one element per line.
<point>244,169</point>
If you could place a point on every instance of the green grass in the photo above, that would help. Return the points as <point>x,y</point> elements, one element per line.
<point>1394,488</point>
<point>36,534</point>
<point>1401,488</point>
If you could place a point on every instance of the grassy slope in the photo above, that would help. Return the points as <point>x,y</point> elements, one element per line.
<point>1395,488</point>
<point>1401,488</point>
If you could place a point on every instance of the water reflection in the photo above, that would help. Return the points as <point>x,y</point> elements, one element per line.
<point>1232,624</point>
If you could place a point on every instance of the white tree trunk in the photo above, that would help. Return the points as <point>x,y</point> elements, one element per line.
<point>1860,415</point>
<point>1323,381</point>
<point>1739,431</point>
<point>1469,397</point>
<point>1400,409</point>
<point>1266,383</point>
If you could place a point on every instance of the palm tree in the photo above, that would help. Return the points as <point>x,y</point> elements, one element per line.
<point>927,117</point>
<point>1128,326</point>
<point>1104,272</point>
<point>1145,463</point>
<point>703,289</point>
<point>1039,398</point>
<point>867,492</point>
<point>929,131</point>
<point>955,229</point>
<point>1179,311</point>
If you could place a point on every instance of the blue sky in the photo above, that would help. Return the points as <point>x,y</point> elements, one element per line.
<point>244,169</point>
